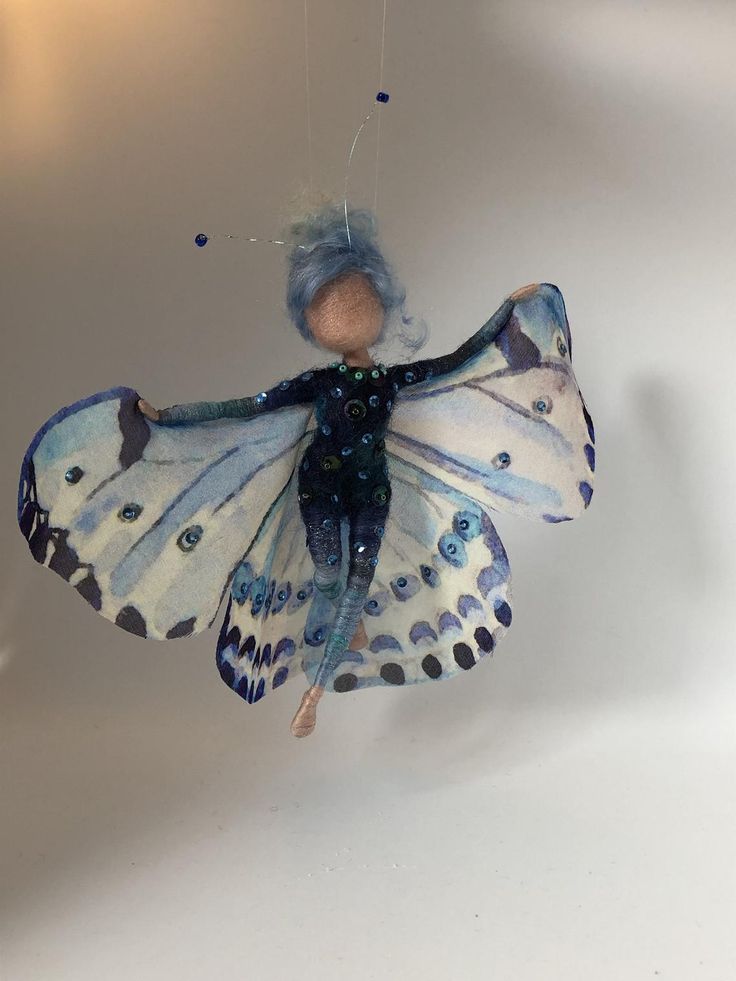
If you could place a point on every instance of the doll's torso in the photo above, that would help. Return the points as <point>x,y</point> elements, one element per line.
<point>344,467</point>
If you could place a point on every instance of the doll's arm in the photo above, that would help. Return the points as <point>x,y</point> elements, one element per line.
<point>295,391</point>
<point>419,371</point>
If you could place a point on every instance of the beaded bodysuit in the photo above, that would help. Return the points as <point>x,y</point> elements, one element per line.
<point>343,473</point>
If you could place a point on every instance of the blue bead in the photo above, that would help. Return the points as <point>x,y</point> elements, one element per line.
<point>336,392</point>
<point>201,240</point>
<point>335,499</point>
<point>502,460</point>
<point>331,560</point>
<point>389,404</point>
<point>401,582</point>
<point>359,547</point>
<point>326,430</point>
<point>261,398</point>
<point>374,561</point>
<point>363,474</point>
<point>374,401</point>
<point>379,531</point>
<point>307,375</point>
<point>382,97</point>
<point>409,376</point>
<point>284,385</point>
<point>346,450</point>
<point>367,438</point>
<point>328,523</point>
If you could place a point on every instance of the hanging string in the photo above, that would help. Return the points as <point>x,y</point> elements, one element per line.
<point>308,95</point>
<point>378,126</point>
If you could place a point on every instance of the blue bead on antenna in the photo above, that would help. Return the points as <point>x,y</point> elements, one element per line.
<point>382,97</point>
<point>201,240</point>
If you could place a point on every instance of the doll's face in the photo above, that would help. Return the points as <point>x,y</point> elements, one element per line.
<point>346,314</point>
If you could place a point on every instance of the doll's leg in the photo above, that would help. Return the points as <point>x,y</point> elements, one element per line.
<point>325,547</point>
<point>366,529</point>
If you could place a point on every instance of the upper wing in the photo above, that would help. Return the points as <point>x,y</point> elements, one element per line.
<point>509,427</point>
<point>148,522</point>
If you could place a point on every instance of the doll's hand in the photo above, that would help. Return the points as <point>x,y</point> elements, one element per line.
<point>148,410</point>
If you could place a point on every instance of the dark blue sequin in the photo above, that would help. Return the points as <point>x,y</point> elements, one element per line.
<point>451,547</point>
<point>382,97</point>
<point>200,240</point>
<point>129,512</point>
<point>466,525</point>
<point>189,538</point>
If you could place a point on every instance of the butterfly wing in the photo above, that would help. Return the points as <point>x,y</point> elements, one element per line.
<point>148,522</point>
<point>440,599</point>
<point>509,428</point>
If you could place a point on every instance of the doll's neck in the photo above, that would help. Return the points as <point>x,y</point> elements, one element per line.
<point>358,359</point>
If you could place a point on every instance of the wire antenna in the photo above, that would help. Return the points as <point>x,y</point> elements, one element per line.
<point>200,240</point>
<point>381,98</point>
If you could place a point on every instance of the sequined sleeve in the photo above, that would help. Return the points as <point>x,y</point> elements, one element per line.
<point>293,391</point>
<point>401,375</point>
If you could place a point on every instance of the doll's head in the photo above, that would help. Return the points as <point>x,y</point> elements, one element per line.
<point>340,295</point>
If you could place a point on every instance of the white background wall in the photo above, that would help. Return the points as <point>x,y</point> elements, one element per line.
<point>569,810</point>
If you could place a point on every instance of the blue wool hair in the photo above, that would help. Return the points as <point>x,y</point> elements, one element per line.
<point>325,255</point>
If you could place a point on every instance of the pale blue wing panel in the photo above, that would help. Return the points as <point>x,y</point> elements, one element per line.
<point>272,605</point>
<point>441,597</point>
<point>510,427</point>
<point>148,522</point>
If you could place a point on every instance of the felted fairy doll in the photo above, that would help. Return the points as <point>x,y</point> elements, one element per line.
<point>158,517</point>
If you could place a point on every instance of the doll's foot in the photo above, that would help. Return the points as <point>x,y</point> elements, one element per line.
<point>148,410</point>
<point>360,638</point>
<point>306,716</point>
<point>524,292</point>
